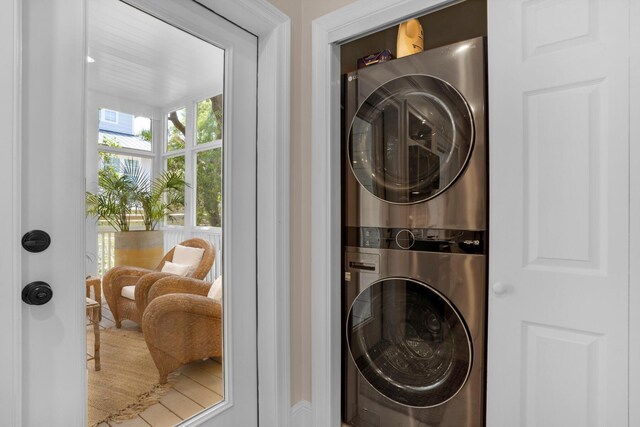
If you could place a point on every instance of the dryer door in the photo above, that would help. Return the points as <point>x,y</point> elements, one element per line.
<point>409,342</point>
<point>411,139</point>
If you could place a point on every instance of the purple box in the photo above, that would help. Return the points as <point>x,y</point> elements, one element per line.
<point>375,58</point>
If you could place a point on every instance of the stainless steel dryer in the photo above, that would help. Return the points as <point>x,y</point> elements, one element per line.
<point>415,141</point>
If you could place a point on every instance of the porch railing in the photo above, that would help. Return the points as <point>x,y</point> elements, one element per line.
<point>172,236</point>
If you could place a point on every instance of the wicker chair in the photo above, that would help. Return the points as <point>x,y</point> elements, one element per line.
<point>119,277</point>
<point>181,324</point>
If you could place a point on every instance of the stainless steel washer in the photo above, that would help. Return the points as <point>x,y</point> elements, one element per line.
<point>414,330</point>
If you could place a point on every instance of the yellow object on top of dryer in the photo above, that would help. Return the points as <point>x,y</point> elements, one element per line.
<point>410,38</point>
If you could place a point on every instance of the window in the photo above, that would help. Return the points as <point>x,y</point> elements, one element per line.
<point>128,131</point>
<point>175,215</point>
<point>209,127</point>
<point>123,139</point>
<point>176,129</point>
<point>208,163</point>
<point>199,156</point>
<point>110,116</point>
<point>118,164</point>
<point>209,188</point>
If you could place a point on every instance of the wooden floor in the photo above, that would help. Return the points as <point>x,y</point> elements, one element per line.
<point>200,385</point>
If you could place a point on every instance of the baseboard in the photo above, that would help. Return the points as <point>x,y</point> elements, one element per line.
<point>301,415</point>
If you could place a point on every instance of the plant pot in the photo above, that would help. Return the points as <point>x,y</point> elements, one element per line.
<point>139,248</point>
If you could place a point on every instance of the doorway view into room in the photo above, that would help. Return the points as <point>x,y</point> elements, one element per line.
<point>154,293</point>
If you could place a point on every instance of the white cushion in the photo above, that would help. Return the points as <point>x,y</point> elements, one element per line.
<point>188,256</point>
<point>215,292</point>
<point>129,292</point>
<point>175,268</point>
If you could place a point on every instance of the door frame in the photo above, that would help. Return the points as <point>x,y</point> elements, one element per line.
<point>273,29</point>
<point>328,33</point>
<point>634,216</point>
<point>10,120</point>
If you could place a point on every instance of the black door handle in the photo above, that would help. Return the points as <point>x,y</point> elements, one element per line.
<point>36,241</point>
<point>37,293</point>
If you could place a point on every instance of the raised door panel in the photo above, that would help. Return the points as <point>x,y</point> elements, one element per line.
<point>559,123</point>
<point>562,163</point>
<point>575,371</point>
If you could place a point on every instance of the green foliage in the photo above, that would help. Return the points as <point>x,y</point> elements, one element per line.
<point>209,164</point>
<point>209,188</point>
<point>145,134</point>
<point>209,122</point>
<point>133,191</point>
<point>114,201</point>
<point>176,165</point>
<point>107,159</point>
<point>176,137</point>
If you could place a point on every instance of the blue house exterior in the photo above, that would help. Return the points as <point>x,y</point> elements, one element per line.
<point>120,127</point>
<point>114,121</point>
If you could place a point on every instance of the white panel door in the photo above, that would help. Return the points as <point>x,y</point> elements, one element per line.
<point>559,144</point>
<point>52,167</point>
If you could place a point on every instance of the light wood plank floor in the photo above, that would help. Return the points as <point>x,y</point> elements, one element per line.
<point>199,386</point>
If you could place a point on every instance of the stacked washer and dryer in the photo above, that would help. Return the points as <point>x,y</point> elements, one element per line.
<point>415,223</point>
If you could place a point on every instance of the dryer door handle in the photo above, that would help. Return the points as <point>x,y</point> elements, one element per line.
<point>500,289</point>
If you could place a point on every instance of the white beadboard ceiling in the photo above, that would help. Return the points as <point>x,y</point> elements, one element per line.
<point>141,58</point>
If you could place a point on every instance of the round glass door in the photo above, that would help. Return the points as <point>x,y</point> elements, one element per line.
<point>409,342</point>
<point>411,139</point>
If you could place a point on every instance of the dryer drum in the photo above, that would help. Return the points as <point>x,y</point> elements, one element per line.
<point>409,342</point>
<point>411,139</point>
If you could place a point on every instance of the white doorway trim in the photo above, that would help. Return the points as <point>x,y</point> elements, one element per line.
<point>634,217</point>
<point>273,30</point>
<point>10,303</point>
<point>329,31</point>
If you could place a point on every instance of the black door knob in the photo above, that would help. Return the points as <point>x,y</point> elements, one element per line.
<point>36,241</point>
<point>37,293</point>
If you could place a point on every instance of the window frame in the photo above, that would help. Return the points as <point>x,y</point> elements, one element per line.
<point>190,153</point>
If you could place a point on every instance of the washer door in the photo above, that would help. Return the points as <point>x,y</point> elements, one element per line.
<point>409,342</point>
<point>411,139</point>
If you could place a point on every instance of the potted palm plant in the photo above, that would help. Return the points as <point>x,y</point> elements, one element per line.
<point>133,194</point>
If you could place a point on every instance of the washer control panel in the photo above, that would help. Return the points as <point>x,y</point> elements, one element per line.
<point>417,239</point>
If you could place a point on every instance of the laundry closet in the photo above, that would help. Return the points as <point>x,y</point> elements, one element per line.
<point>485,219</point>
<point>414,187</point>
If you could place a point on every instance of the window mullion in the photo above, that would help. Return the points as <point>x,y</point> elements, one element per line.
<point>190,175</point>
<point>158,141</point>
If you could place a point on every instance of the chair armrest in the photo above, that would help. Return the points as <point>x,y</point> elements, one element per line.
<point>144,285</point>
<point>178,285</point>
<point>196,305</point>
<point>117,278</point>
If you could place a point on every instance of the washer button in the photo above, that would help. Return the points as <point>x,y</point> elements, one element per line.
<point>405,239</point>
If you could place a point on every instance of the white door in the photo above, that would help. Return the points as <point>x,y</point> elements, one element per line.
<point>52,170</point>
<point>559,144</point>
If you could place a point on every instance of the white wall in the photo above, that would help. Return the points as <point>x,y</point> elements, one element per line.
<point>302,13</point>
